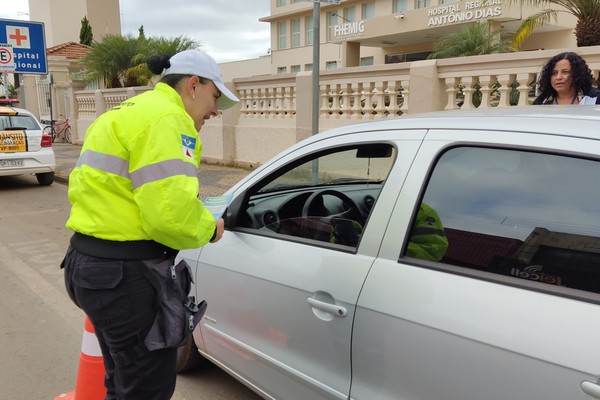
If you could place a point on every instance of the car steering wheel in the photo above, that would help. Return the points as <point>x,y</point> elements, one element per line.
<point>351,213</point>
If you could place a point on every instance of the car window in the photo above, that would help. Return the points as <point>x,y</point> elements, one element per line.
<point>521,214</point>
<point>325,197</point>
<point>21,121</point>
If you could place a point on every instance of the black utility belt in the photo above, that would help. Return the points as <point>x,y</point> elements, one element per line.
<point>128,250</point>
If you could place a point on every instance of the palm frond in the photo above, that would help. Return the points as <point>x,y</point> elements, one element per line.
<point>530,24</point>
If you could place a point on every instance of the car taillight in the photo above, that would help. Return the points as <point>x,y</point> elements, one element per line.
<point>46,140</point>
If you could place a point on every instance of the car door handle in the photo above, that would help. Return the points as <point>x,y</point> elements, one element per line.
<point>334,309</point>
<point>591,389</point>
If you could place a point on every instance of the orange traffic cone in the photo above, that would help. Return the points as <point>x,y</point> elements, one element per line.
<point>90,376</point>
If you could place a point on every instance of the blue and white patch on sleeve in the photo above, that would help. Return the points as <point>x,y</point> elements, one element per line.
<point>188,144</point>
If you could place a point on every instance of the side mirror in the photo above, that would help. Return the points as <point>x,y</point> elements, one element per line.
<point>230,216</point>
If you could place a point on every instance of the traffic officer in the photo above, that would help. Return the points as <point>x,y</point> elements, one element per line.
<point>134,197</point>
<point>428,240</point>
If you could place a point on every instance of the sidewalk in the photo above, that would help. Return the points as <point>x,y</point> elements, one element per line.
<point>214,179</point>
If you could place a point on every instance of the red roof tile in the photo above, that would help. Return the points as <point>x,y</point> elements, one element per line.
<point>71,50</point>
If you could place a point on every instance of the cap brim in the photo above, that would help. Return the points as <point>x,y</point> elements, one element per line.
<point>227,98</point>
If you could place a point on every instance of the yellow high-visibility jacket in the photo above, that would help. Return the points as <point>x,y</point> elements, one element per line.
<point>428,240</point>
<point>136,177</point>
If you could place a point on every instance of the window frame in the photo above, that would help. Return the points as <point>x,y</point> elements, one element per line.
<point>239,204</point>
<point>296,32</point>
<point>282,41</point>
<point>490,276</point>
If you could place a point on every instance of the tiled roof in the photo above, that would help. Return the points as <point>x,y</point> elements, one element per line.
<point>71,50</point>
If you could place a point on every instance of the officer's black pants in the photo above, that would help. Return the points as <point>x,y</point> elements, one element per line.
<point>121,304</point>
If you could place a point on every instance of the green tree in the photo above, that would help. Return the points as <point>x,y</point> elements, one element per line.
<point>85,33</point>
<point>475,39</point>
<point>139,74</point>
<point>587,13</point>
<point>121,60</point>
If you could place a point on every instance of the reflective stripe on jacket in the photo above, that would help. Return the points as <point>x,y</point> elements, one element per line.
<point>136,177</point>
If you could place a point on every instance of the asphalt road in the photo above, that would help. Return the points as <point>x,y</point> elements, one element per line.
<point>40,329</point>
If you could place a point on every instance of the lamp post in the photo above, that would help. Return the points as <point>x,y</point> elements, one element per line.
<point>316,60</point>
<point>338,15</point>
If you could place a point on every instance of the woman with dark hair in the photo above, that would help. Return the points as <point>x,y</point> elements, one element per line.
<point>567,79</point>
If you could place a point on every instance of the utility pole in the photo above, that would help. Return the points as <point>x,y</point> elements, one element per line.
<point>315,66</point>
<point>316,60</point>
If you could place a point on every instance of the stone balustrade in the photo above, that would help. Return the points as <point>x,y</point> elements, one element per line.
<point>276,111</point>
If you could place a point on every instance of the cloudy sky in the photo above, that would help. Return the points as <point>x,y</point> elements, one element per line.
<point>229,30</point>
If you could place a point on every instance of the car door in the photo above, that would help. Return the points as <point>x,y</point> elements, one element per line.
<point>281,306</point>
<point>512,309</point>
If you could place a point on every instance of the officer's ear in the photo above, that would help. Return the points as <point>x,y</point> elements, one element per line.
<point>191,83</point>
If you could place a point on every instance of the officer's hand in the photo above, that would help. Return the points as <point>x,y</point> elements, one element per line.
<point>219,231</point>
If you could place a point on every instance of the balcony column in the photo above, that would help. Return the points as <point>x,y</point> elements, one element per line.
<point>451,90</point>
<point>430,96</point>
<point>350,54</point>
<point>505,81</point>
<point>469,83</point>
<point>231,118</point>
<point>524,88</point>
<point>485,82</point>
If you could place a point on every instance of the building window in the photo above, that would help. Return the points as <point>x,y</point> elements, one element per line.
<point>295,1</point>
<point>281,70</point>
<point>423,3</point>
<point>449,1</point>
<point>368,10</point>
<point>308,67</point>
<point>350,14</point>
<point>280,3</point>
<point>331,22</point>
<point>296,33</point>
<point>399,6</point>
<point>295,68</point>
<point>309,30</point>
<point>406,57</point>
<point>283,35</point>
<point>366,61</point>
<point>331,65</point>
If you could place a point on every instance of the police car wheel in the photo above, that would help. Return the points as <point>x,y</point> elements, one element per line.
<point>45,178</point>
<point>188,357</point>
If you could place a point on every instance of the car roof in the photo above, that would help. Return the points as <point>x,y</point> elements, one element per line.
<point>568,120</point>
<point>6,110</point>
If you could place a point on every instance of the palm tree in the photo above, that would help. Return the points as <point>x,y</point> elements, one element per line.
<point>109,58</point>
<point>587,13</point>
<point>138,73</point>
<point>121,60</point>
<point>475,39</point>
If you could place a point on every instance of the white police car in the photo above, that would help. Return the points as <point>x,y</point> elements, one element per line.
<point>24,147</point>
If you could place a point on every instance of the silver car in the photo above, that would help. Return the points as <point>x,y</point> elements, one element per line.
<point>448,256</point>
<point>24,147</point>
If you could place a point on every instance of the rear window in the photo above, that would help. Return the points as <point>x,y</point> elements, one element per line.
<point>18,121</point>
<point>526,215</point>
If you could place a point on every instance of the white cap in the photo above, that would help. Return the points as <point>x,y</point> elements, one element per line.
<point>196,62</point>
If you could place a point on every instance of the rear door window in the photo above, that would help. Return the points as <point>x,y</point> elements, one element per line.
<point>525,215</point>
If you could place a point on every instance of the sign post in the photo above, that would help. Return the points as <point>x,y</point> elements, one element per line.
<point>7,64</point>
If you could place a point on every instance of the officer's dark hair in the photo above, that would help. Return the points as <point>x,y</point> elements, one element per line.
<point>157,64</point>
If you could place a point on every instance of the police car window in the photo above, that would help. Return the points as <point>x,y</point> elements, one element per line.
<point>325,197</point>
<point>525,215</point>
